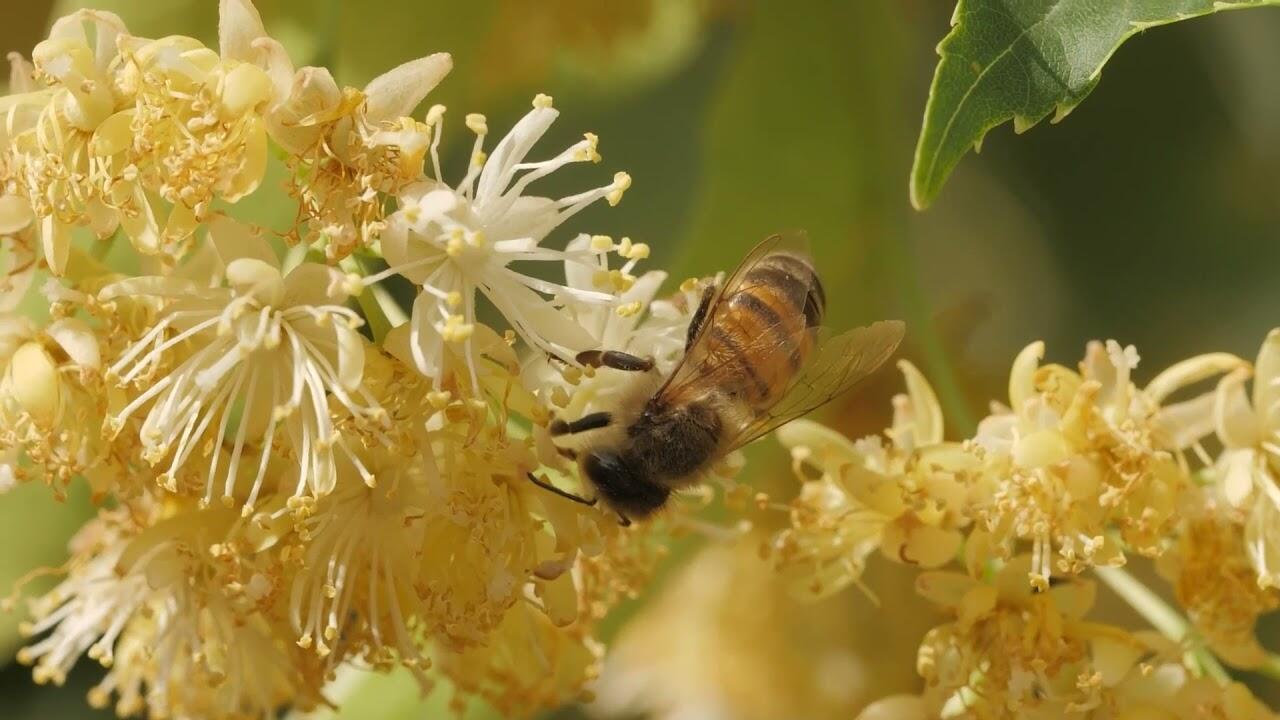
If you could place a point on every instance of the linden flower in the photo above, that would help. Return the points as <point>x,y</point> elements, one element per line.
<point>359,568</point>
<point>154,607</point>
<point>348,147</point>
<point>49,393</point>
<point>1170,691</point>
<point>193,133</point>
<point>280,348</point>
<point>1215,581</point>
<point>907,498</point>
<point>636,323</point>
<point>1014,652</point>
<point>17,251</point>
<point>479,540</point>
<point>528,663</point>
<point>454,243</point>
<point>1080,453</point>
<point>1246,470</point>
<point>49,133</point>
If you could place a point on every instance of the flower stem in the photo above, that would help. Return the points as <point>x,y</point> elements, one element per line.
<point>379,308</point>
<point>1162,617</point>
<point>390,308</point>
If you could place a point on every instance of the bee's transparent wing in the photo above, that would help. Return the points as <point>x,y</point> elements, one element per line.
<point>697,360</point>
<point>836,364</point>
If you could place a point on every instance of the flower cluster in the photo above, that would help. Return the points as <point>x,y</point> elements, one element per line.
<point>293,473</point>
<point>1080,471</point>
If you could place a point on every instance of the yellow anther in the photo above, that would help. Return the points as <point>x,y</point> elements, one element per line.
<point>477,124</point>
<point>559,397</point>
<point>621,182</point>
<point>628,309</point>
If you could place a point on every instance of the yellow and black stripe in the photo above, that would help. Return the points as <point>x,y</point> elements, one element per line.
<point>763,325</point>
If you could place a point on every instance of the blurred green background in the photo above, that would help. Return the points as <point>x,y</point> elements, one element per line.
<point>1149,215</point>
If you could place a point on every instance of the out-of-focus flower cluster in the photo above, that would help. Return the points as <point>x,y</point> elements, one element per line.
<point>294,474</point>
<point>1081,470</point>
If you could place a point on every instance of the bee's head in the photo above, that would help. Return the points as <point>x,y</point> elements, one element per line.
<point>623,484</point>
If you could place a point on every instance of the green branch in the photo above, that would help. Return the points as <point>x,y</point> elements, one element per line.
<point>1163,617</point>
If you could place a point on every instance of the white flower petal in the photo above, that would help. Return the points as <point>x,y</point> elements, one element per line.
<point>77,340</point>
<point>511,150</point>
<point>153,286</point>
<point>528,217</point>
<point>15,214</point>
<point>1022,376</point>
<point>1266,384</point>
<point>1183,424</point>
<point>275,61</point>
<point>926,412</point>
<point>425,343</point>
<point>18,283</point>
<point>398,91</point>
<point>262,280</point>
<point>896,707</point>
<point>1236,424</point>
<point>350,356</point>
<point>239,24</point>
<point>1235,471</point>
<point>1189,372</point>
<point>142,227</point>
<point>577,273</point>
<point>313,284</point>
<point>538,321</point>
<point>56,239</point>
<point>107,27</point>
<point>234,240</point>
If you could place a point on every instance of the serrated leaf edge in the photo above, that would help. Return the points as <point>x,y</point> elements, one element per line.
<point>1022,123</point>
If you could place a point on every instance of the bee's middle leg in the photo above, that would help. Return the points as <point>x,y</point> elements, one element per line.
<point>591,421</point>
<point>615,359</point>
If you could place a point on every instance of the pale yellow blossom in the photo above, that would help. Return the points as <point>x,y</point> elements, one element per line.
<point>281,345</point>
<point>908,497</point>
<point>1246,470</point>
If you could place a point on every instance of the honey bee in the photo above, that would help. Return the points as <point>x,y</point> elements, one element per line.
<point>756,356</point>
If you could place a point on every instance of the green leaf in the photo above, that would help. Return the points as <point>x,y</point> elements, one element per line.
<point>800,135</point>
<point>1022,59</point>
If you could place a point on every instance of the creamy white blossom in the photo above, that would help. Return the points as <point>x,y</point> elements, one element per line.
<point>279,348</point>
<point>456,242</point>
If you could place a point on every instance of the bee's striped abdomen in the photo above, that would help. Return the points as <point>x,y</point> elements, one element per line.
<point>763,326</point>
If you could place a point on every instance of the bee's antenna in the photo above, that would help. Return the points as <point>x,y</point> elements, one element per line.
<point>562,493</point>
<point>623,520</point>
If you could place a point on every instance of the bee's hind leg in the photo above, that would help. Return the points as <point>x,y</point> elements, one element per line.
<point>615,359</point>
